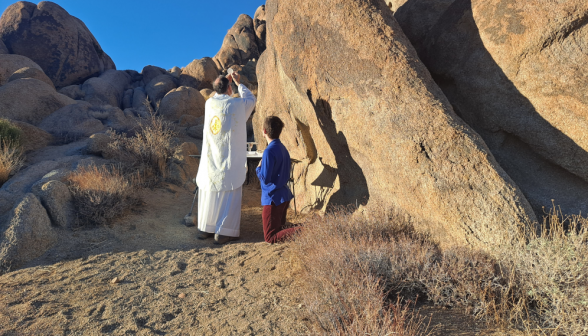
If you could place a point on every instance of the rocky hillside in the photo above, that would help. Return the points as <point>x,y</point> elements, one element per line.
<point>64,93</point>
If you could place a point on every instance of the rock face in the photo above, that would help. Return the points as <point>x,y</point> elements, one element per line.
<point>109,88</point>
<point>158,87</point>
<point>368,124</point>
<point>517,73</point>
<point>57,200</point>
<point>182,101</point>
<point>12,63</point>
<point>82,120</point>
<point>28,235</point>
<point>199,74</point>
<point>184,167</point>
<point>150,71</point>
<point>260,28</point>
<point>30,73</point>
<point>60,43</point>
<point>30,100</point>
<point>239,45</point>
<point>33,137</point>
<point>3,49</point>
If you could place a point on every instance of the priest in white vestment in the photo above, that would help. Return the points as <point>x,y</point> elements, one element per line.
<point>223,162</point>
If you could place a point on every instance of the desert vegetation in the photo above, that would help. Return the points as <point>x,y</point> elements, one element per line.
<point>11,158</point>
<point>102,193</point>
<point>363,274</point>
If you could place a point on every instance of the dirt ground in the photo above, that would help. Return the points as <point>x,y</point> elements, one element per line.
<point>170,282</point>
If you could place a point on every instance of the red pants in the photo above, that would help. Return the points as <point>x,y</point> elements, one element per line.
<point>274,216</point>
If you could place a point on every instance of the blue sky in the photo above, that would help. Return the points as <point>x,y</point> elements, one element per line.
<point>169,33</point>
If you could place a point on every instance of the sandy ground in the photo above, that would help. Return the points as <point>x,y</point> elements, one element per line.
<point>170,282</point>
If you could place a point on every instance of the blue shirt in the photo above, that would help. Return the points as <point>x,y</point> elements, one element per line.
<point>274,174</point>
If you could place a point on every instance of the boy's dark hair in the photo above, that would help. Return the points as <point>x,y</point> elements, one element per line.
<point>273,127</point>
<point>221,84</point>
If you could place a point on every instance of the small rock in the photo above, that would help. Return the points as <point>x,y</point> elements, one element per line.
<point>115,280</point>
<point>182,296</point>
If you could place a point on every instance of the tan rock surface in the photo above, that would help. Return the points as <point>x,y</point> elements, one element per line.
<point>30,73</point>
<point>28,233</point>
<point>368,124</point>
<point>30,100</point>
<point>61,44</point>
<point>33,137</point>
<point>239,45</point>
<point>12,63</point>
<point>199,74</point>
<point>516,71</point>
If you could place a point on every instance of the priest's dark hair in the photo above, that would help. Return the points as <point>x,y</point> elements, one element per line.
<point>221,84</point>
<point>273,127</point>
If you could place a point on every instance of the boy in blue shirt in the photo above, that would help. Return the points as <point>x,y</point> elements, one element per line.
<point>273,172</point>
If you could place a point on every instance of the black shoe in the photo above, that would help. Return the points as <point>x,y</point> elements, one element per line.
<point>220,240</point>
<point>204,235</point>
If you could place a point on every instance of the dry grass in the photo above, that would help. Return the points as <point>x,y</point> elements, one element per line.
<point>355,268</point>
<point>346,275</point>
<point>100,193</point>
<point>149,151</point>
<point>550,277</point>
<point>11,160</point>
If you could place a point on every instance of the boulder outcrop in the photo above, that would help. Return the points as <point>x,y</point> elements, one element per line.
<point>84,119</point>
<point>150,71</point>
<point>58,202</point>
<point>158,87</point>
<point>260,28</point>
<point>367,124</point>
<point>182,101</point>
<point>239,45</point>
<point>61,44</point>
<point>28,235</point>
<point>109,88</point>
<point>199,74</point>
<point>9,64</point>
<point>33,137</point>
<point>515,71</point>
<point>3,49</point>
<point>30,100</point>
<point>30,73</point>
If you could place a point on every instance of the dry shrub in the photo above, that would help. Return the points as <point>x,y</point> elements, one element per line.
<point>550,273</point>
<point>351,266</point>
<point>100,193</point>
<point>11,160</point>
<point>355,266</point>
<point>149,151</point>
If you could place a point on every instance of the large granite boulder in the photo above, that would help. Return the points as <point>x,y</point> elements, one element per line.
<point>158,87</point>
<point>12,63</point>
<point>84,119</point>
<point>3,49</point>
<point>259,27</point>
<point>109,88</point>
<point>60,43</point>
<point>183,169</point>
<point>150,71</point>
<point>30,73</point>
<point>368,125</point>
<point>199,74</point>
<point>30,100</point>
<point>182,101</point>
<point>28,233</point>
<point>73,91</point>
<point>517,72</point>
<point>239,45</point>
<point>57,200</point>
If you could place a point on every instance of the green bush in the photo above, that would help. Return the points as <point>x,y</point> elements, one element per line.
<point>9,134</point>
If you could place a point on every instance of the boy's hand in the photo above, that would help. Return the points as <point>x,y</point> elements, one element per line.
<point>259,165</point>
